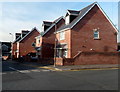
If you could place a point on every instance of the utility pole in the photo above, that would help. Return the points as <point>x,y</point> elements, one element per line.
<point>11,43</point>
<point>55,48</point>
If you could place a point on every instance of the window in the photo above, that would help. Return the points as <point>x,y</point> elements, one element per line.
<point>67,20</point>
<point>33,44</point>
<point>39,41</point>
<point>96,34</point>
<point>62,35</point>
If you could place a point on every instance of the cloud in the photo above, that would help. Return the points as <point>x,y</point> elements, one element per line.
<point>17,16</point>
<point>13,26</point>
<point>25,16</point>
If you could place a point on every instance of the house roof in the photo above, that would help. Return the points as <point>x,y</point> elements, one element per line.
<point>72,12</point>
<point>28,34</point>
<point>17,39</point>
<point>53,24</point>
<point>47,23</point>
<point>82,13</point>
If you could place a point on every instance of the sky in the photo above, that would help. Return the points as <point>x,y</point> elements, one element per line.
<point>17,16</point>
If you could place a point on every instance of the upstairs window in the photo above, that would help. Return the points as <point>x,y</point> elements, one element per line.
<point>38,40</point>
<point>62,35</point>
<point>67,20</point>
<point>96,34</point>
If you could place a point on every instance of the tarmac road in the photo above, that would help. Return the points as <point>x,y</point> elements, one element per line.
<point>18,77</point>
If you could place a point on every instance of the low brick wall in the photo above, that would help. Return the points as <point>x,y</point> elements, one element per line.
<point>68,61</point>
<point>46,61</point>
<point>91,58</point>
<point>59,61</point>
<point>5,57</point>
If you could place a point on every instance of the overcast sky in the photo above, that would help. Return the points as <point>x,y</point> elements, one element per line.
<point>17,16</point>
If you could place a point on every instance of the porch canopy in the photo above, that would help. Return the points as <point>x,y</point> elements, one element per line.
<point>37,48</point>
<point>62,46</point>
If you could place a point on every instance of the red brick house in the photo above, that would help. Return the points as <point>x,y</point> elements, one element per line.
<point>18,36</point>
<point>88,37</point>
<point>45,42</point>
<point>23,45</point>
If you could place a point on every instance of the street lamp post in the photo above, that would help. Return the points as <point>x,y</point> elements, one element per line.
<point>12,36</point>
<point>55,53</point>
<point>11,43</point>
<point>55,48</point>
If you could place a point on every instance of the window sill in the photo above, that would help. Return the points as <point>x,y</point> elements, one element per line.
<point>97,38</point>
<point>62,39</point>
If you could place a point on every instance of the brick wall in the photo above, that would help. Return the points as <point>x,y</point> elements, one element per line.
<point>91,58</point>
<point>59,61</point>
<point>67,40</point>
<point>25,46</point>
<point>48,41</point>
<point>83,38</point>
<point>14,48</point>
<point>46,61</point>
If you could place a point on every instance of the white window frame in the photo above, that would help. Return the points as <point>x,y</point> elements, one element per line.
<point>62,35</point>
<point>96,32</point>
<point>67,20</point>
<point>38,40</point>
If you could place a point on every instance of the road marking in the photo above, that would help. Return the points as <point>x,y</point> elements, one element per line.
<point>92,69</point>
<point>11,72</point>
<point>28,71</point>
<point>35,70</point>
<point>13,69</point>
<point>57,69</point>
<point>24,71</point>
<point>2,73</point>
<point>51,68</point>
<point>46,70</point>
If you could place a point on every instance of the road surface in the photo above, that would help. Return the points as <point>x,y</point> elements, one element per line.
<point>19,77</point>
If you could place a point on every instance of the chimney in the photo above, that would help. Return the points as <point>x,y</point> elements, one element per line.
<point>46,25</point>
<point>17,35</point>
<point>24,32</point>
<point>70,16</point>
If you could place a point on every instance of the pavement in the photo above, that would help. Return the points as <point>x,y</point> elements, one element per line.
<point>81,67</point>
<point>72,67</point>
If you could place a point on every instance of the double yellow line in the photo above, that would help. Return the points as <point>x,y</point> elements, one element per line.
<point>57,69</point>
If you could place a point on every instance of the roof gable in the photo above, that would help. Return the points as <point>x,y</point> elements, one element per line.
<point>28,34</point>
<point>17,39</point>
<point>82,13</point>
<point>72,12</point>
<point>54,22</point>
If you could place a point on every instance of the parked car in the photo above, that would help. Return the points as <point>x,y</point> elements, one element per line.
<point>33,56</point>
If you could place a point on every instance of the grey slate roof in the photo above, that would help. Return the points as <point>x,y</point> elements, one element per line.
<point>53,24</point>
<point>28,34</point>
<point>17,39</point>
<point>81,13</point>
<point>73,11</point>
<point>47,22</point>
